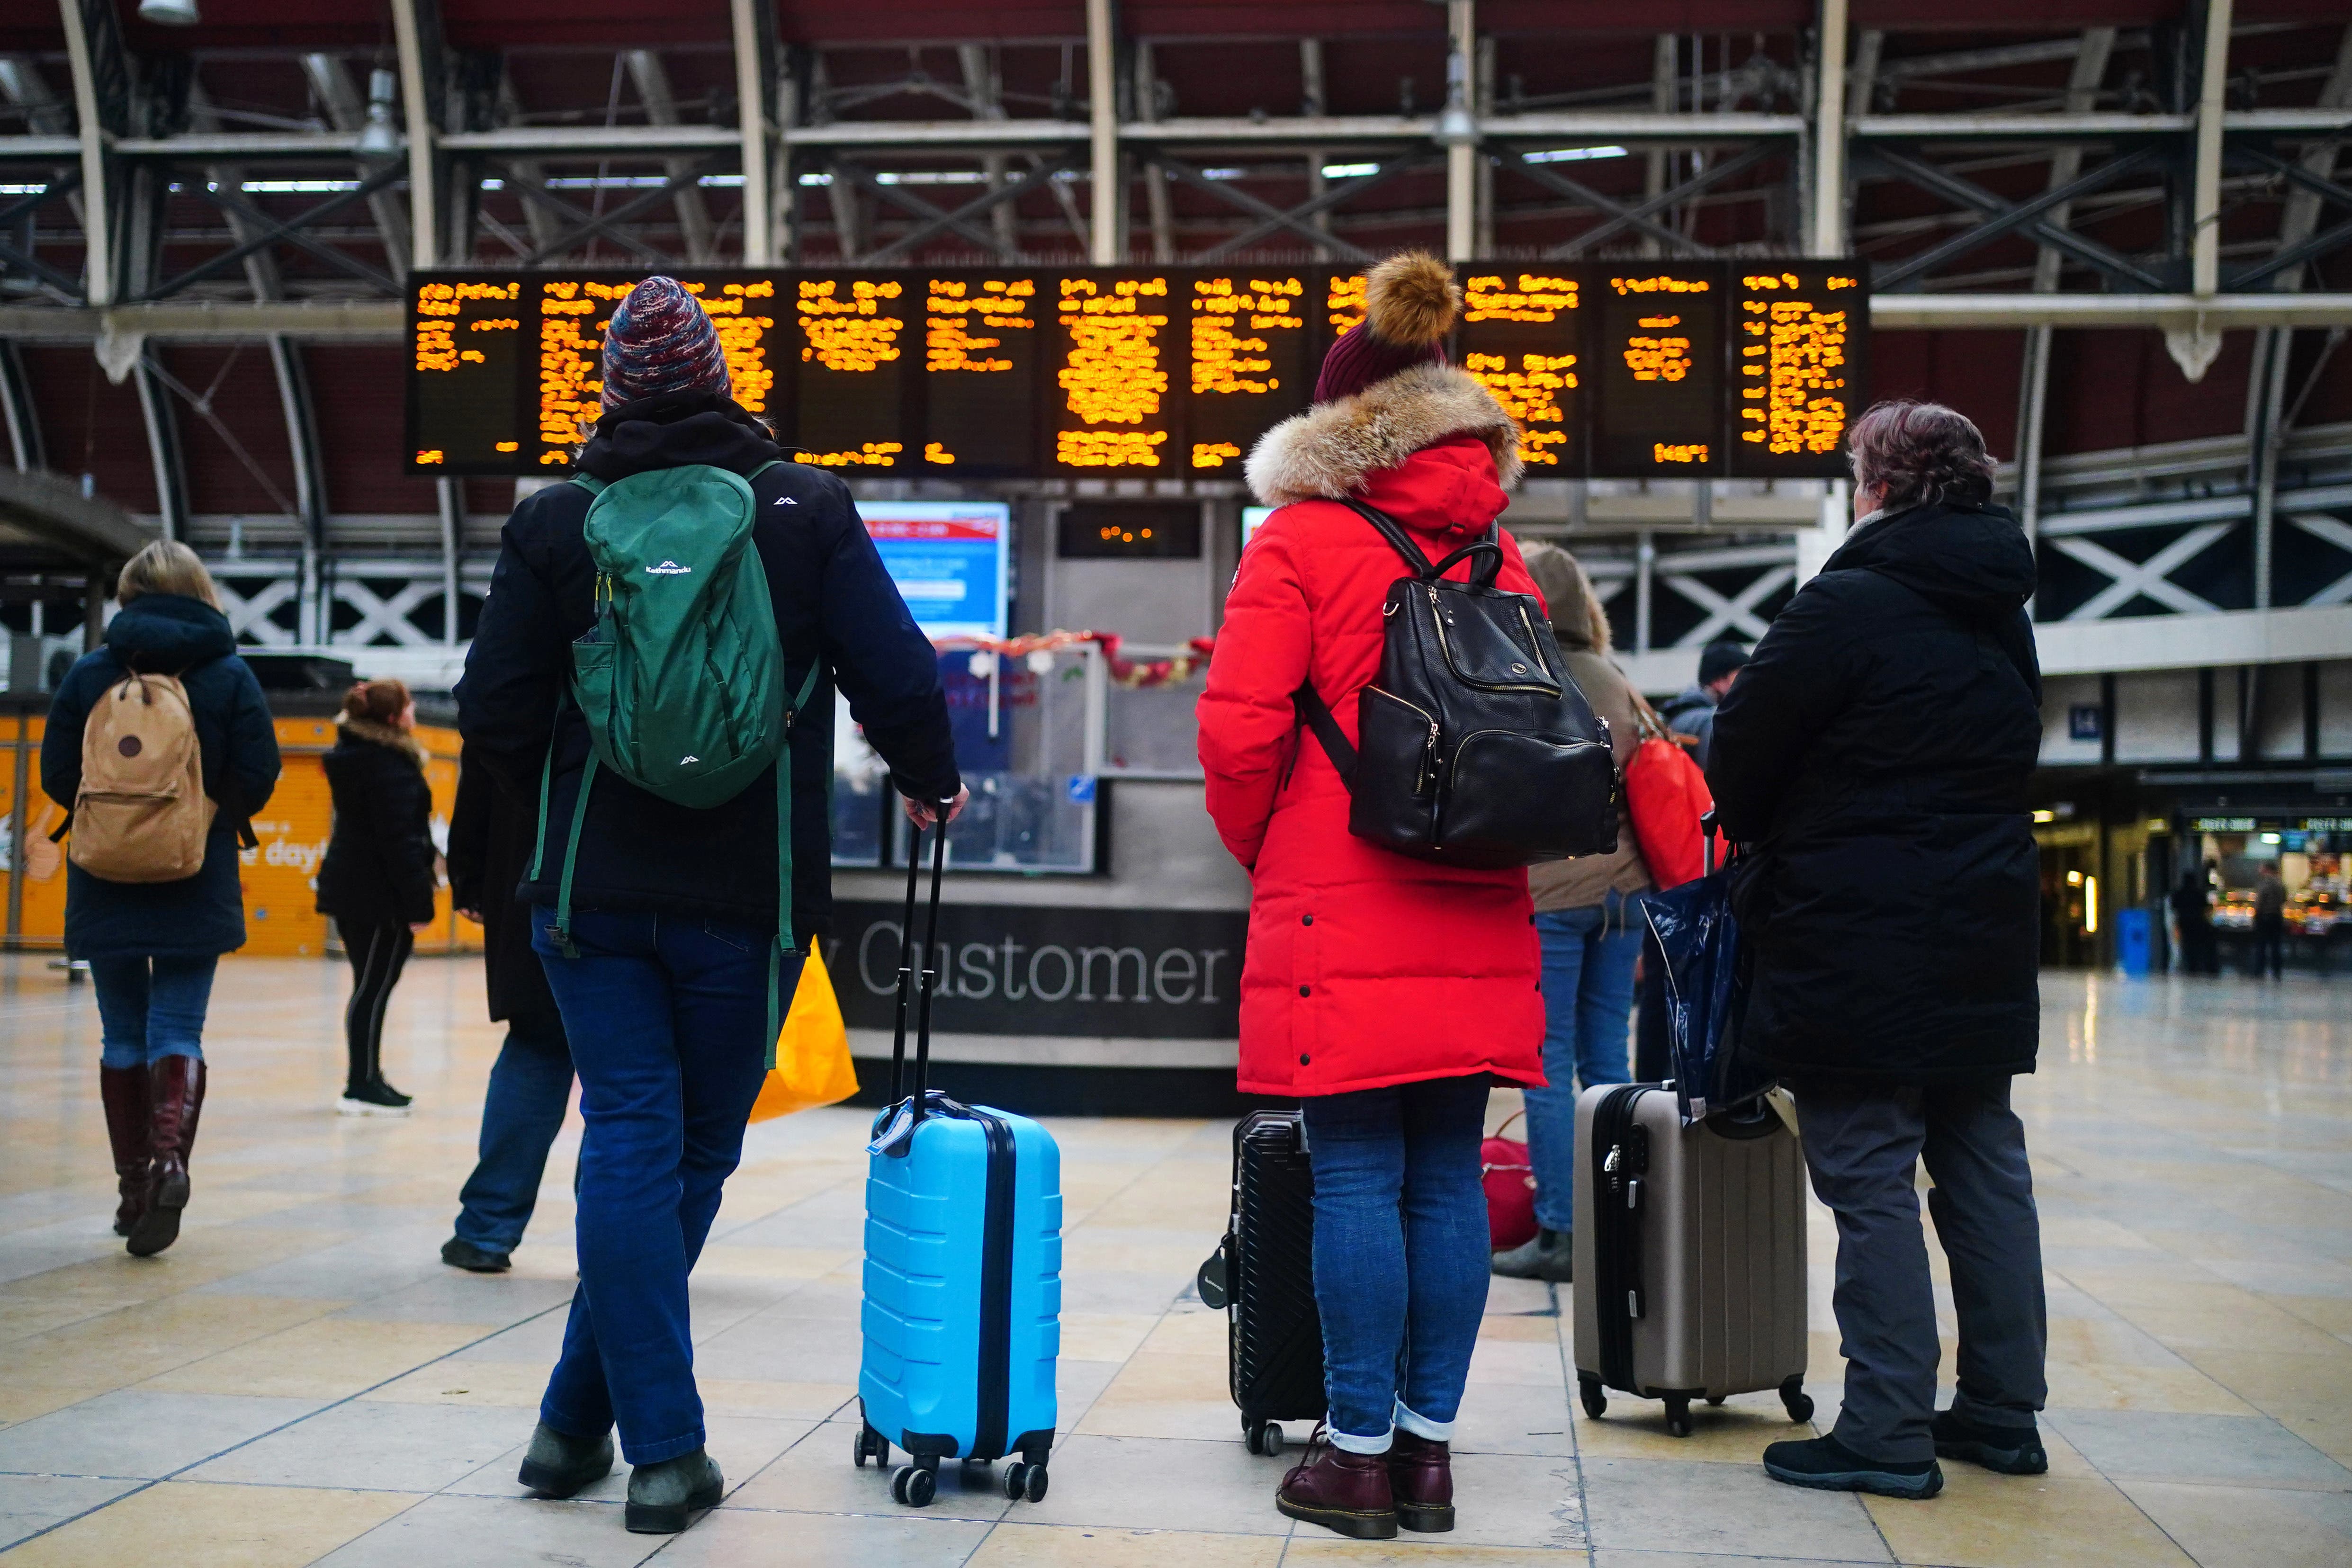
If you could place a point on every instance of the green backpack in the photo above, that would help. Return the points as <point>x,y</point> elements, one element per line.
<point>682,679</point>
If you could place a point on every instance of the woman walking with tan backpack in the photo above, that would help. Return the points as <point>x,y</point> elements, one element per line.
<point>161,742</point>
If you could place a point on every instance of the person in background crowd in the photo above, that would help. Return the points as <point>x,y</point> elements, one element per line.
<point>1875,757</point>
<point>491,833</point>
<point>2192,920</point>
<point>377,879</point>
<point>665,997</point>
<point>1378,990</point>
<point>153,947</point>
<point>1589,916</point>
<point>1692,711</point>
<point>2270,925</point>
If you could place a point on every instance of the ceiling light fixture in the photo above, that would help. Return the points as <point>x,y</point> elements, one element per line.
<point>169,12</point>
<point>379,138</point>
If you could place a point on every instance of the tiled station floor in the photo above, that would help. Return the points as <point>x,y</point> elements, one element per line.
<point>301,1380</point>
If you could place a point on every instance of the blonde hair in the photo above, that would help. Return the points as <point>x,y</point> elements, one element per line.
<point>1577,615</point>
<point>167,565</point>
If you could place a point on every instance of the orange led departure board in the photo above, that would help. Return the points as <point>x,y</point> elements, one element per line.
<point>1522,336</point>
<point>1117,353</point>
<point>1797,347</point>
<point>981,351</point>
<point>1634,369</point>
<point>466,335</point>
<point>1248,358</point>
<point>1660,353</point>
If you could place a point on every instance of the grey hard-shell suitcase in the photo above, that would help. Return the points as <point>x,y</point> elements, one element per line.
<point>1690,1254</point>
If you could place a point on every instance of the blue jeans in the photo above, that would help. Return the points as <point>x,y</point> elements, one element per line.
<point>523,1112</point>
<point>1400,1257</point>
<point>1588,992</point>
<point>667,1017</point>
<point>149,1008</point>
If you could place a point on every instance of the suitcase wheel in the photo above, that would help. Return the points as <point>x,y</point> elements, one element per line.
<point>869,1444</point>
<point>913,1486</point>
<point>1596,1402</point>
<point>1796,1401</point>
<point>1714,1399</point>
<point>1264,1437</point>
<point>1024,1480</point>
<point>1678,1417</point>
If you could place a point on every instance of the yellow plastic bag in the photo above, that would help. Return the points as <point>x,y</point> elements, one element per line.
<point>813,1066</point>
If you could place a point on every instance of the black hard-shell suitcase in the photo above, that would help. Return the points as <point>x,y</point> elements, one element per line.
<point>1263,1274</point>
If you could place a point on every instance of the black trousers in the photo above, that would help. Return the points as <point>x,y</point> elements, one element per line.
<point>378,953</point>
<point>2270,946</point>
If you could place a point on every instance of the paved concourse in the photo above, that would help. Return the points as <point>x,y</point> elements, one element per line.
<point>300,1379</point>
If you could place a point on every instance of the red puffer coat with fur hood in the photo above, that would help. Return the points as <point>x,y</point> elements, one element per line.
<point>1365,968</point>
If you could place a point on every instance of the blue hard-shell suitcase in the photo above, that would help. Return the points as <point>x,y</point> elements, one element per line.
<point>963,1269</point>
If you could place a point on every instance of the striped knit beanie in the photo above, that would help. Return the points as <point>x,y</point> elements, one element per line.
<point>660,341</point>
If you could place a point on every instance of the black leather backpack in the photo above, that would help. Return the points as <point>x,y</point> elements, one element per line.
<point>1474,748</point>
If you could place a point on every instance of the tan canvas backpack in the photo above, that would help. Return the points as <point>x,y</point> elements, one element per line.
<point>142,814</point>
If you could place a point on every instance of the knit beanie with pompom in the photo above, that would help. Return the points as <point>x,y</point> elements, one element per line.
<point>660,341</point>
<point>1410,302</point>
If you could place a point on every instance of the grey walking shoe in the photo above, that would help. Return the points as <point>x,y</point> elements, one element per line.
<point>559,1465</point>
<point>664,1498</point>
<point>1551,1256</point>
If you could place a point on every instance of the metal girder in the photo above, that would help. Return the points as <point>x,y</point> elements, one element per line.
<point>333,87</point>
<point>417,38</point>
<point>661,108</point>
<point>1292,219</point>
<point>936,221</point>
<point>20,412</point>
<point>272,230</point>
<point>1627,217</point>
<point>1968,194</point>
<point>1332,197</point>
<point>1627,213</point>
<point>606,224</point>
<point>65,284</point>
<point>2007,217</point>
<point>165,452</point>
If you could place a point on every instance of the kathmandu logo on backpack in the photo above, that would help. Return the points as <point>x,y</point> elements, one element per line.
<point>668,568</point>
<point>684,760</point>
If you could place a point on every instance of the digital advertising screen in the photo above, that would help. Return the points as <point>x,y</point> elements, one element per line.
<point>950,558</point>
<point>1659,395</point>
<point>1798,342</point>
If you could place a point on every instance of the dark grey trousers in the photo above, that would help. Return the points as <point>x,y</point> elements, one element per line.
<point>1862,1145</point>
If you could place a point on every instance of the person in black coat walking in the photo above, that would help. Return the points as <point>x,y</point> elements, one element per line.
<point>664,983</point>
<point>378,876</point>
<point>491,837</point>
<point>153,946</point>
<point>1873,759</point>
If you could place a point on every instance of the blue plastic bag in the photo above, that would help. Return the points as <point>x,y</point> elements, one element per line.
<point>1706,994</point>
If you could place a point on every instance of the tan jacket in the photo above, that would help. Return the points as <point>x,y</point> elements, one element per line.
<point>1585,881</point>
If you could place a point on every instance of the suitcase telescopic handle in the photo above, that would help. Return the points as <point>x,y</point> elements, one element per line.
<point>930,948</point>
<point>1707,827</point>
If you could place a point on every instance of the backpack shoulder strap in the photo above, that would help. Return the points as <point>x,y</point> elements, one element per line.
<point>1315,714</point>
<point>1392,531</point>
<point>590,483</point>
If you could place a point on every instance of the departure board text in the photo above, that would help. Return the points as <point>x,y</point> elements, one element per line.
<point>1522,338</point>
<point>1797,356</point>
<point>1249,362</point>
<point>467,341</point>
<point>1112,361</point>
<point>1660,393</point>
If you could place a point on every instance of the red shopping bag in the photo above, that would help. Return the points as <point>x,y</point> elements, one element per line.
<point>1510,1189</point>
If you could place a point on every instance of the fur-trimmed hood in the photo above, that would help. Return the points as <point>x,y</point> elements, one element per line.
<point>1333,448</point>
<point>385,736</point>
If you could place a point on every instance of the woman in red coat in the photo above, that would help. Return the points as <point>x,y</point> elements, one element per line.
<point>1380,990</point>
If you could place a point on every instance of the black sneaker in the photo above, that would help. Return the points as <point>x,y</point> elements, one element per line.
<point>376,1099</point>
<point>560,1465</point>
<point>1827,1465</point>
<point>1548,1255</point>
<point>459,1253</point>
<point>2011,1450</point>
<point>664,1498</point>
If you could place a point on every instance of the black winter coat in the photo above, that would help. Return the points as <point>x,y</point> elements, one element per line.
<point>203,915</point>
<point>489,850</point>
<point>1874,756</point>
<point>379,865</point>
<point>834,606</point>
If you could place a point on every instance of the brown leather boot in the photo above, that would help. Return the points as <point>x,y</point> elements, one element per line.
<point>1340,1490</point>
<point>1421,1478</point>
<point>176,1095</point>
<point>124,1092</point>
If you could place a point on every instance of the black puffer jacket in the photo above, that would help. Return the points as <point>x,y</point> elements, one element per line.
<point>1874,756</point>
<point>168,633</point>
<point>379,864</point>
<point>834,606</point>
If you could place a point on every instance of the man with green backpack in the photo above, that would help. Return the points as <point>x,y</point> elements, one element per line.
<point>654,667</point>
